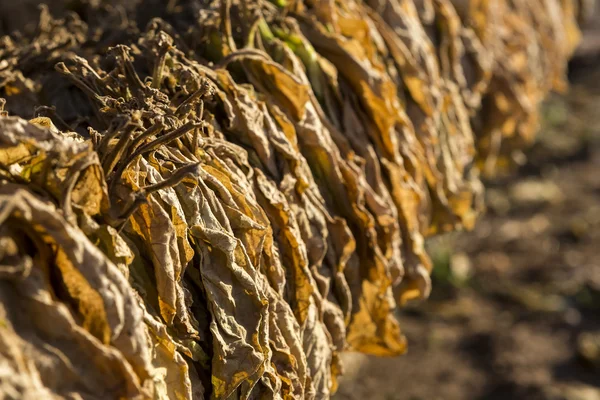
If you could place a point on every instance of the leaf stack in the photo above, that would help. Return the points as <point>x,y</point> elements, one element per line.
<point>205,198</point>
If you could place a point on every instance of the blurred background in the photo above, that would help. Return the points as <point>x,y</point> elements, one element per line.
<point>515,307</point>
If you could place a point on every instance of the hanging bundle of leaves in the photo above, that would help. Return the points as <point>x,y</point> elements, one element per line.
<point>218,202</point>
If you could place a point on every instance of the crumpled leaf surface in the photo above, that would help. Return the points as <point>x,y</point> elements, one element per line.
<point>214,199</point>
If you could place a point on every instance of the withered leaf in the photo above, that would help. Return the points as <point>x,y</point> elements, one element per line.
<point>214,199</point>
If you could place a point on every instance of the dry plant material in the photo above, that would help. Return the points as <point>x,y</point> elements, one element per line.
<point>216,198</point>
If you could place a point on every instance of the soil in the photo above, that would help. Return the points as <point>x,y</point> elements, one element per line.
<point>515,309</point>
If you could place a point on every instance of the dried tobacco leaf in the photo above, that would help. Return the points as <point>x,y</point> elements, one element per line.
<point>214,199</point>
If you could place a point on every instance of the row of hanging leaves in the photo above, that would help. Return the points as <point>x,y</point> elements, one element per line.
<point>215,198</point>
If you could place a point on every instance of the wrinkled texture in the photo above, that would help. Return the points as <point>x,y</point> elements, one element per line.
<point>214,199</point>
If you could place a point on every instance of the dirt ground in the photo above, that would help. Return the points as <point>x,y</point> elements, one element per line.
<point>515,309</point>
